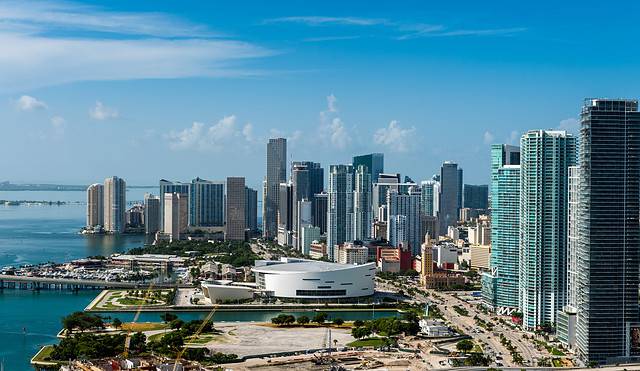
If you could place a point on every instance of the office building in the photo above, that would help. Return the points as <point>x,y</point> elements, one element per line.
<point>134,217</point>
<point>430,197</point>
<point>502,154</point>
<point>363,219</point>
<point>176,215</point>
<point>351,253</point>
<point>276,174</point>
<point>476,196</point>
<point>374,163</point>
<point>251,209</point>
<point>450,195</point>
<point>309,235</point>
<point>236,206</point>
<point>167,186</point>
<point>307,180</point>
<point>285,214</point>
<point>500,284</point>
<point>608,231</point>
<point>151,214</point>
<point>206,203</point>
<point>384,183</point>
<point>339,207</point>
<point>545,157</point>
<point>115,204</point>
<point>95,206</point>
<point>320,211</point>
<point>407,205</point>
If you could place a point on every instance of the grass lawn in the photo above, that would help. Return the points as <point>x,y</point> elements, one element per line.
<point>44,354</point>
<point>144,326</point>
<point>556,352</point>
<point>369,342</point>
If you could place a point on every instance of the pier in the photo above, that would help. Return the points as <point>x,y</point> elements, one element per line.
<point>46,283</point>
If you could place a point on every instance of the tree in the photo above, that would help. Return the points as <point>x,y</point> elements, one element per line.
<point>283,319</point>
<point>338,321</point>
<point>82,321</point>
<point>116,323</point>
<point>168,317</point>
<point>303,320</point>
<point>358,323</point>
<point>464,345</point>
<point>138,343</point>
<point>320,318</point>
<point>176,323</point>
<point>360,332</point>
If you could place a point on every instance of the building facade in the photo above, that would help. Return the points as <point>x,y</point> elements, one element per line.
<point>476,196</point>
<point>374,162</point>
<point>339,207</point>
<point>407,205</point>
<point>206,203</point>
<point>450,195</point>
<point>115,204</point>
<point>167,186</point>
<point>251,209</point>
<point>276,174</point>
<point>151,214</point>
<point>176,215</point>
<point>236,205</point>
<point>363,218</point>
<point>95,205</point>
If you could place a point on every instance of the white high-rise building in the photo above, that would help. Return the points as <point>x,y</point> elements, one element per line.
<point>95,205</point>
<point>362,211</point>
<point>408,205</point>
<point>176,217</point>
<point>339,208</point>
<point>115,204</point>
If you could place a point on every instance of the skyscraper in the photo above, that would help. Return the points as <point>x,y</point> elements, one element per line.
<point>276,174</point>
<point>430,197</point>
<point>206,203</point>
<point>320,202</point>
<point>285,214</point>
<point>408,206</point>
<point>251,209</point>
<point>236,204</point>
<point>476,196</point>
<point>545,157</point>
<point>500,285</point>
<point>151,213</point>
<point>95,205</point>
<point>339,207</point>
<point>381,186</point>
<point>362,220</point>
<point>175,215</point>
<point>502,154</point>
<point>374,163</point>
<point>450,195</point>
<point>308,179</point>
<point>608,230</point>
<point>167,186</point>
<point>115,204</point>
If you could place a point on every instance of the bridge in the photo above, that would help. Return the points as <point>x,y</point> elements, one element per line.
<point>37,283</point>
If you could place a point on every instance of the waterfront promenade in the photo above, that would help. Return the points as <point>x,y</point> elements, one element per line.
<point>37,283</point>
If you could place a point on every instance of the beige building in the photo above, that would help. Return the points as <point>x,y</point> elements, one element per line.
<point>95,205</point>
<point>480,256</point>
<point>349,253</point>
<point>175,215</point>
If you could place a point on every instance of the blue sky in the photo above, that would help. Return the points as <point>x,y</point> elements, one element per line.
<point>148,89</point>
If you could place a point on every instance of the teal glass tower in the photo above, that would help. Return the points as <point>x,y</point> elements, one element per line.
<point>545,158</point>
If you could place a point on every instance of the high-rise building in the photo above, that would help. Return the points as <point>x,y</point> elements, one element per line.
<point>251,209</point>
<point>374,163</point>
<point>236,206</point>
<point>608,231</point>
<point>307,179</point>
<point>545,157</point>
<point>566,321</point>
<point>206,203</point>
<point>476,196</point>
<point>151,213</point>
<point>500,284</point>
<point>167,186</point>
<point>430,197</point>
<point>95,205</point>
<point>362,220</point>
<point>339,207</point>
<point>175,215</point>
<point>285,214</point>
<point>115,204</point>
<point>276,174</point>
<point>309,235</point>
<point>450,195</point>
<point>381,186</point>
<point>502,154</point>
<point>407,205</point>
<point>320,211</point>
<point>134,217</point>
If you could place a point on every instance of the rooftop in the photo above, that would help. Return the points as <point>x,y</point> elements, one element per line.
<point>288,265</point>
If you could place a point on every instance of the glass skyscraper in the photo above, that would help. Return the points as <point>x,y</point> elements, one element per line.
<point>608,231</point>
<point>450,195</point>
<point>363,217</point>
<point>374,163</point>
<point>206,203</point>
<point>339,207</point>
<point>276,174</point>
<point>545,158</point>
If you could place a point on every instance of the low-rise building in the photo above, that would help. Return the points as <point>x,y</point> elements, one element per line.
<point>350,253</point>
<point>147,261</point>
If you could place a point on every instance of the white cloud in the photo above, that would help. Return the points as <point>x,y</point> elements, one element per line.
<point>339,135</point>
<point>513,138</point>
<point>332,129</point>
<point>29,103</point>
<point>37,52</point>
<point>331,103</point>
<point>58,123</point>
<point>101,112</point>
<point>395,138</point>
<point>217,137</point>
<point>321,21</point>
<point>488,137</point>
<point>571,125</point>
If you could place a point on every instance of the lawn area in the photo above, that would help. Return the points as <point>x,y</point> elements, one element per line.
<point>43,355</point>
<point>144,326</point>
<point>369,342</point>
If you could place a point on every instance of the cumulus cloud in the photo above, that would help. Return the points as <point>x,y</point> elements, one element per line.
<point>216,137</point>
<point>395,137</point>
<point>333,131</point>
<point>101,112</point>
<point>488,137</point>
<point>513,138</point>
<point>571,125</point>
<point>58,123</point>
<point>29,103</point>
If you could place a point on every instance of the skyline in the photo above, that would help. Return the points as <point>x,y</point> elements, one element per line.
<point>416,83</point>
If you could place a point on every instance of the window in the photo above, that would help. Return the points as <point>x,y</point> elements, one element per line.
<point>324,287</point>
<point>329,281</point>
<point>311,279</point>
<point>346,284</point>
<point>321,292</point>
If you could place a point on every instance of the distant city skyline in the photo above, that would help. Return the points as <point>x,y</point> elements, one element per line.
<point>421,84</point>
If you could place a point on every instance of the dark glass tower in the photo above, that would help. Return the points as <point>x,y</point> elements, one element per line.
<point>608,230</point>
<point>476,196</point>
<point>450,195</point>
<point>374,163</point>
